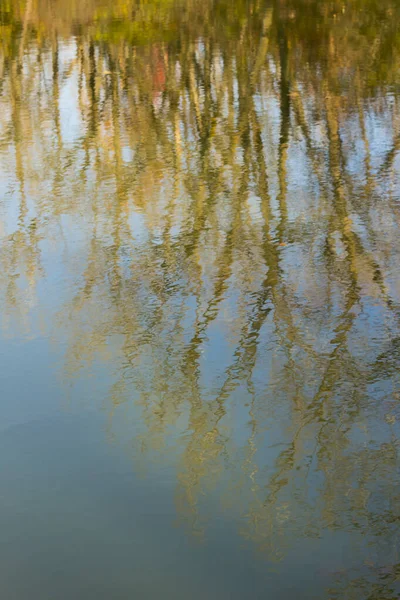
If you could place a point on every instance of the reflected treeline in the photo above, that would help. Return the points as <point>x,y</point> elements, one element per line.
<point>205,197</point>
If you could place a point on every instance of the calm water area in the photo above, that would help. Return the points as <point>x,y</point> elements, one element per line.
<point>199,299</point>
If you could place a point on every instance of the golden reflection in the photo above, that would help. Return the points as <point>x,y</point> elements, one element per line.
<point>207,194</point>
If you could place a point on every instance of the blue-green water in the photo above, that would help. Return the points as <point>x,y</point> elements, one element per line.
<point>200,300</point>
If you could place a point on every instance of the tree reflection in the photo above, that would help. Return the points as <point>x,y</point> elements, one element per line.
<point>239,224</point>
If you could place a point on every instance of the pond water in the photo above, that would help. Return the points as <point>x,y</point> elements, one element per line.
<point>200,299</point>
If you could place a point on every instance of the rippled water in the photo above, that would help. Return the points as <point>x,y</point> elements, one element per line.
<point>200,299</point>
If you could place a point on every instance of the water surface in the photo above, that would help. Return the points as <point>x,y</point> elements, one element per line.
<point>200,299</point>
